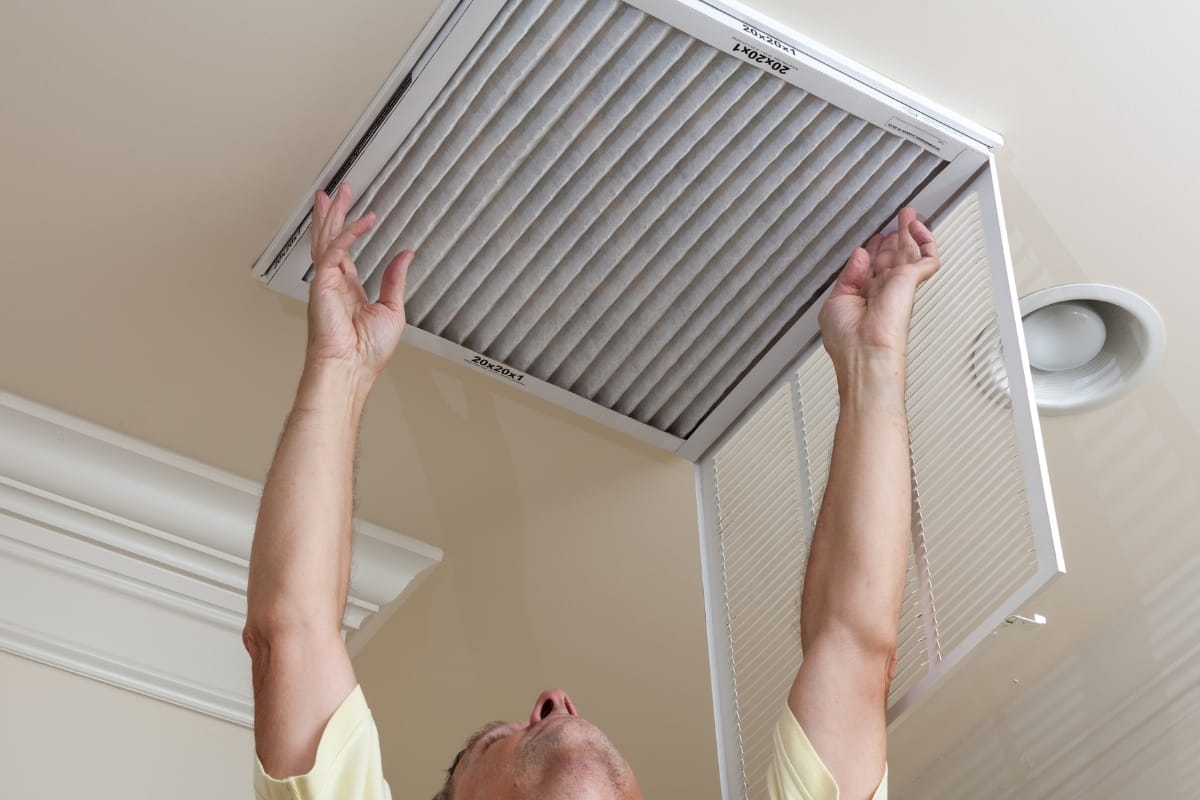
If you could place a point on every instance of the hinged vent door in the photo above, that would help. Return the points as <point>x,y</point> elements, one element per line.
<point>983,532</point>
<point>622,213</point>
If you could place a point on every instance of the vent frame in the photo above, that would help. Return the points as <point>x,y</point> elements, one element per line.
<point>446,40</point>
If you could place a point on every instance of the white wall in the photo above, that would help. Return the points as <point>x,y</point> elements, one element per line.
<point>64,736</point>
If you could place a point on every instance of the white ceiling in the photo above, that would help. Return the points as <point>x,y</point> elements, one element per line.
<point>152,150</point>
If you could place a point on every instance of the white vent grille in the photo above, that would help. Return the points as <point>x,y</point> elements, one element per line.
<point>969,475</point>
<point>610,205</point>
<point>763,522</point>
<point>976,550</point>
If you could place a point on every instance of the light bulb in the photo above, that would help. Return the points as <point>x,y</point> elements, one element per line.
<point>1063,336</point>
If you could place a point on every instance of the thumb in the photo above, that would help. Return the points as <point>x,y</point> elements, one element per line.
<point>854,274</point>
<point>395,280</point>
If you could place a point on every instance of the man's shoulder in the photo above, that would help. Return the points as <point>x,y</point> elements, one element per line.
<point>797,771</point>
<point>348,760</point>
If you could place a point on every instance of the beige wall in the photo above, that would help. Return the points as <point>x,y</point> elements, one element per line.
<point>64,736</point>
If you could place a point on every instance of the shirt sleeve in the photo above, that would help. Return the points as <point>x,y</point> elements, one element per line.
<point>797,772</point>
<point>348,763</point>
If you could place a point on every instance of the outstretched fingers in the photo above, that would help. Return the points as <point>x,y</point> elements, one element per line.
<point>923,237</point>
<point>317,227</point>
<point>395,280</point>
<point>873,245</point>
<point>341,245</point>
<point>329,228</point>
<point>907,245</point>
<point>341,207</point>
<point>854,275</point>
<point>328,219</point>
<point>336,256</point>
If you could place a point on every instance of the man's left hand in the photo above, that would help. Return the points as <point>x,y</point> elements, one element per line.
<point>342,326</point>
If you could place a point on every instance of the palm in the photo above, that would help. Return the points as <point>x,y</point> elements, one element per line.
<point>342,324</point>
<point>870,305</point>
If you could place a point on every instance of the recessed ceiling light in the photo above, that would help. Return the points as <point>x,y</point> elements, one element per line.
<point>1063,336</point>
<point>1087,344</point>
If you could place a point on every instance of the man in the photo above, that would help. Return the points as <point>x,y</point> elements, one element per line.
<point>311,721</point>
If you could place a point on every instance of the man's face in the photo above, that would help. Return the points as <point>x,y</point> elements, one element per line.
<point>554,754</point>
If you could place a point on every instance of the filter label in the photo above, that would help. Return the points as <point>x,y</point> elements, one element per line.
<point>753,54</point>
<point>498,369</point>
<point>916,133</point>
<point>768,38</point>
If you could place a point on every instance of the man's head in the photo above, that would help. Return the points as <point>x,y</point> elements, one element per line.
<point>554,754</point>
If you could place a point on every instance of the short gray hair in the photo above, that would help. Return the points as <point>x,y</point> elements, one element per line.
<point>444,793</point>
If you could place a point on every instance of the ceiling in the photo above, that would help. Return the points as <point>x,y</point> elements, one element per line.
<point>152,150</point>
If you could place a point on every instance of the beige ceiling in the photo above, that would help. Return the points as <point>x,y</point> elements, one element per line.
<point>151,150</point>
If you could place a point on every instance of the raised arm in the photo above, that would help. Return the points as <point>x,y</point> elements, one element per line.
<point>859,554</point>
<point>300,559</point>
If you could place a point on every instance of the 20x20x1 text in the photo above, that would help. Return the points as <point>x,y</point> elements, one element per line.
<point>499,369</point>
<point>762,58</point>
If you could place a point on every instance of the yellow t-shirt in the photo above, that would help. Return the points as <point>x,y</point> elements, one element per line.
<point>348,764</point>
<point>349,767</point>
<point>797,772</point>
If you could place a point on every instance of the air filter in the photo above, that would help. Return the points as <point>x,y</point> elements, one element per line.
<point>626,207</point>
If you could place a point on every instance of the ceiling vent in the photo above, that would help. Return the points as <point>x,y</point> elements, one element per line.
<point>633,210</point>
<point>626,208</point>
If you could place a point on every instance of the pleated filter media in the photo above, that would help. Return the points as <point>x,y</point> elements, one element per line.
<point>608,204</point>
<point>973,542</point>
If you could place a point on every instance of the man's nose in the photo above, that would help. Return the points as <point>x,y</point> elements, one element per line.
<point>549,703</point>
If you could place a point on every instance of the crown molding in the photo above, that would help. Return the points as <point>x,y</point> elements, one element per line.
<point>127,563</point>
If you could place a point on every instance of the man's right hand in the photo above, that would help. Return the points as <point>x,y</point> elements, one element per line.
<point>866,317</point>
<point>342,326</point>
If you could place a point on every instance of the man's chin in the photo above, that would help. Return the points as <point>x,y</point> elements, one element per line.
<point>577,742</point>
<point>569,733</point>
<point>573,758</point>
